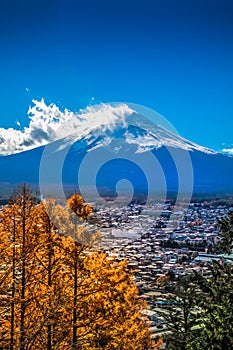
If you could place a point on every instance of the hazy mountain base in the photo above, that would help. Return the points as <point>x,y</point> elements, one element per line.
<point>212,173</point>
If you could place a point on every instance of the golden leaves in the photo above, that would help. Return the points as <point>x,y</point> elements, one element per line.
<point>54,292</point>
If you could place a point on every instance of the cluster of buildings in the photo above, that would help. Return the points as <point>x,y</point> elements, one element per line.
<point>161,248</point>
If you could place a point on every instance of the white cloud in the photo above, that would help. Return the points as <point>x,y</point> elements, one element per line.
<point>48,123</point>
<point>228,150</point>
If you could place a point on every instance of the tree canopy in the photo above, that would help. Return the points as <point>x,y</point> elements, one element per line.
<point>57,292</point>
<point>201,315</point>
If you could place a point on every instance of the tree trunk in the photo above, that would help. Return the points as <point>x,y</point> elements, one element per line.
<point>12,332</point>
<point>75,296</point>
<point>23,284</point>
<point>49,327</point>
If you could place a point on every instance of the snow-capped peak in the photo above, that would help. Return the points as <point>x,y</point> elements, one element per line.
<point>47,123</point>
<point>97,125</point>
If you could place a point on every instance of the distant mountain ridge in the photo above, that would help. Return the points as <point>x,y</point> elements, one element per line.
<point>120,138</point>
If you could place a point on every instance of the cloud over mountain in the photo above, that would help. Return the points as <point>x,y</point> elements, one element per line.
<point>228,151</point>
<point>48,123</point>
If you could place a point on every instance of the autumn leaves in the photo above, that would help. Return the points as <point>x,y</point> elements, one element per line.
<point>56,292</point>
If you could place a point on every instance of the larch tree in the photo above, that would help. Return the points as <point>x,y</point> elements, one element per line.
<point>7,278</point>
<point>17,224</point>
<point>79,211</point>
<point>56,291</point>
<point>52,277</point>
<point>110,312</point>
<point>24,203</point>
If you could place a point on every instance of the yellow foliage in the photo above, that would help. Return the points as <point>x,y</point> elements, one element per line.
<point>77,205</point>
<point>162,281</point>
<point>55,293</point>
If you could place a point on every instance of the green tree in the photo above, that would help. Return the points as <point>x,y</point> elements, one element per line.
<point>201,316</point>
<point>180,319</point>
<point>226,227</point>
<point>215,301</point>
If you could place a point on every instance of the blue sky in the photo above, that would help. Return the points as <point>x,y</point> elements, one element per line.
<point>175,57</point>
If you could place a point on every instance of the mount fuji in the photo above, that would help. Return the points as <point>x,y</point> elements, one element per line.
<point>102,146</point>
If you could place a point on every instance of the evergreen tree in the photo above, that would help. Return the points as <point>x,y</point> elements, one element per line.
<point>201,316</point>
<point>180,319</point>
<point>226,227</point>
<point>215,300</point>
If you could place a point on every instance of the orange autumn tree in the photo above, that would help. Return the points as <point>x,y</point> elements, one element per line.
<point>51,279</point>
<point>78,206</point>
<point>111,312</point>
<point>18,234</point>
<point>81,240</point>
<point>56,292</point>
<point>7,279</point>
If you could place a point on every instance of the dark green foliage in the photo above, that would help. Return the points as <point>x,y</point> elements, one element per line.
<point>226,227</point>
<point>201,316</point>
<point>180,320</point>
<point>216,302</point>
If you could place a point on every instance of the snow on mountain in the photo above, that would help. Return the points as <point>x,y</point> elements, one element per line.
<point>48,123</point>
<point>228,151</point>
<point>112,136</point>
<point>95,125</point>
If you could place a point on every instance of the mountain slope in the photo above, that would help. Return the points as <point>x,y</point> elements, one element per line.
<point>131,148</point>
